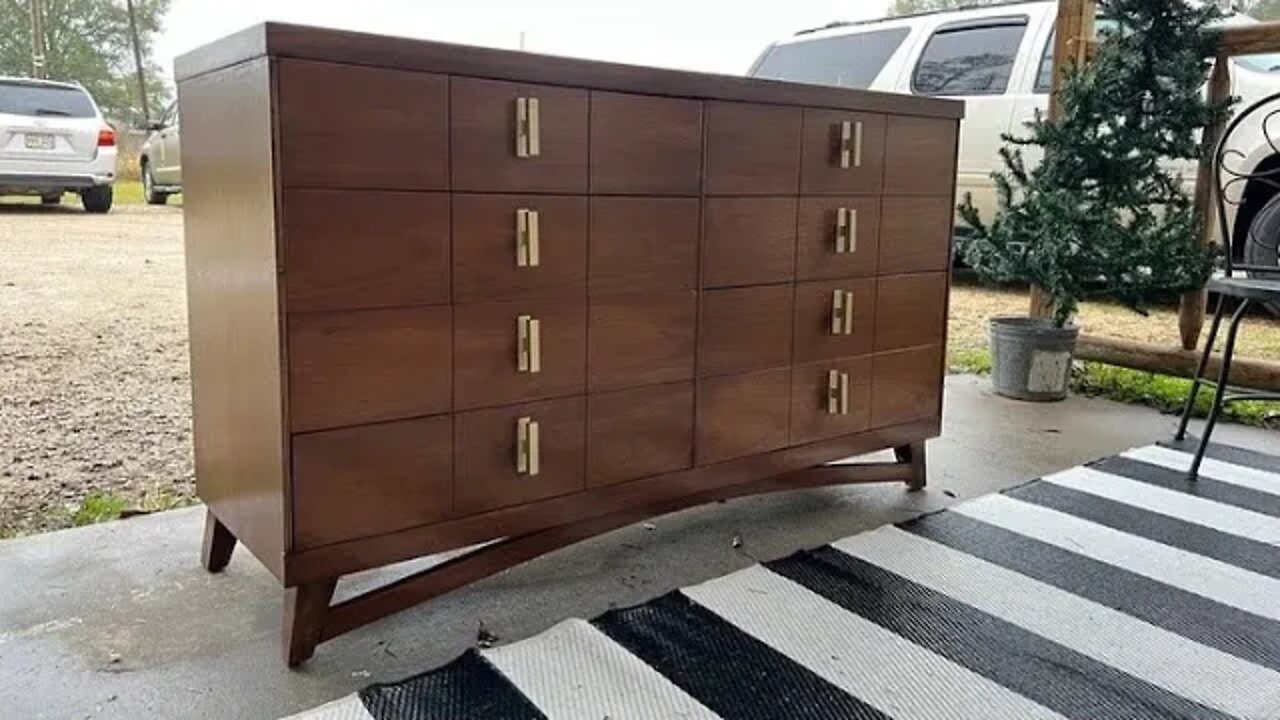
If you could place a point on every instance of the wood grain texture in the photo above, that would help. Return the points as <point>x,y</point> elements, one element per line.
<point>482,128</point>
<point>813,305</point>
<point>305,608</point>
<point>485,357</point>
<point>910,311</point>
<point>641,339</point>
<point>752,149</point>
<point>743,329</point>
<point>920,157</point>
<point>915,234</point>
<point>810,420</point>
<point>643,243</point>
<point>639,432</point>
<point>740,415</point>
<point>365,481</point>
<point>816,256</point>
<point>485,475</point>
<point>906,385</point>
<point>748,241</point>
<point>484,247</point>
<point>343,126</point>
<point>644,145</point>
<point>348,249</point>
<point>353,367</point>
<point>820,162</point>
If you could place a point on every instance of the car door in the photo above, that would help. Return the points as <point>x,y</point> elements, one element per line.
<point>167,170</point>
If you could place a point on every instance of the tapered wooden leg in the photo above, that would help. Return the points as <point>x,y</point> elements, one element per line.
<point>305,608</point>
<point>915,455</point>
<point>218,544</point>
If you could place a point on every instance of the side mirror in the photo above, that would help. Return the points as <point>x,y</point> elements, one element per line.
<point>155,126</point>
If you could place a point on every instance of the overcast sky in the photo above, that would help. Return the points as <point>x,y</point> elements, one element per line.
<point>708,35</point>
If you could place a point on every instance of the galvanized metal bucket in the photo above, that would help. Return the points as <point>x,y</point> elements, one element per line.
<point>1031,357</point>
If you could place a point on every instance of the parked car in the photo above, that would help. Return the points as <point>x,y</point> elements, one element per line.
<point>160,163</point>
<point>999,60</point>
<point>53,140</point>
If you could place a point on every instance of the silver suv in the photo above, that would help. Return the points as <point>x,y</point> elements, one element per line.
<point>161,158</point>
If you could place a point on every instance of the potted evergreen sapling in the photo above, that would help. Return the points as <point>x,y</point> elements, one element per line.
<point>1104,213</point>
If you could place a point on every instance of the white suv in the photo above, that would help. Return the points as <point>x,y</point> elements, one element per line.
<point>53,140</point>
<point>998,59</point>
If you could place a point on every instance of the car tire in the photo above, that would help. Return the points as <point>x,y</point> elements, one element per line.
<point>149,192</point>
<point>51,199</point>
<point>97,199</point>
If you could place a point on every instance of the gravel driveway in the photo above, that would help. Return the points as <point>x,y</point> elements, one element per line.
<point>94,391</point>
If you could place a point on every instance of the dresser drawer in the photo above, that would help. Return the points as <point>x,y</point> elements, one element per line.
<point>906,386</point>
<point>348,126</point>
<point>843,152</point>
<point>349,249</point>
<point>834,319</point>
<point>740,415</point>
<point>640,243</point>
<point>355,367</point>
<point>911,311</point>
<point>487,351</point>
<point>838,236</point>
<point>748,241</point>
<point>829,399</point>
<point>500,462</point>
<point>921,156</point>
<point>639,432</point>
<point>510,246</point>
<point>641,339</point>
<point>743,329</point>
<point>752,149</point>
<point>915,234</point>
<point>517,137</point>
<point>369,480</point>
<point>645,145</point>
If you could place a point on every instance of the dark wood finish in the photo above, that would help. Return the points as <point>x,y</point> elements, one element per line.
<point>219,543</point>
<point>910,310</point>
<point>744,329</point>
<point>822,172</point>
<point>483,144</point>
<point>349,249</point>
<point>390,364</point>
<point>739,415</point>
<point>305,608</point>
<point>484,247</point>
<point>813,337</point>
<point>920,156</point>
<point>485,352</point>
<point>363,481</point>
<point>639,432</point>
<point>906,385</point>
<point>913,455</point>
<point>643,243</point>
<point>915,234</point>
<point>748,241</point>
<point>810,419</point>
<point>816,256</point>
<point>640,339</point>
<point>343,126</point>
<point>645,145</point>
<point>752,149</point>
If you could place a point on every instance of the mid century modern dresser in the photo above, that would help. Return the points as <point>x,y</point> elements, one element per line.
<point>443,295</point>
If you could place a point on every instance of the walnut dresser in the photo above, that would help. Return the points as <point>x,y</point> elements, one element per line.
<point>443,295</point>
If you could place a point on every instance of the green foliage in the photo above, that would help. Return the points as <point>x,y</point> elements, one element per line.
<point>98,507</point>
<point>1101,215</point>
<point>88,41</point>
<point>910,7</point>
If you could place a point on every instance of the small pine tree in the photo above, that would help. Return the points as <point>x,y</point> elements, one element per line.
<point>1100,215</point>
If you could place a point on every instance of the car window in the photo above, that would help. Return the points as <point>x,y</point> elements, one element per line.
<point>851,61</point>
<point>970,58</point>
<point>44,100</point>
<point>1044,77</point>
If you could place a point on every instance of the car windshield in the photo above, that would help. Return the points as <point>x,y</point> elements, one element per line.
<point>851,61</point>
<point>44,100</point>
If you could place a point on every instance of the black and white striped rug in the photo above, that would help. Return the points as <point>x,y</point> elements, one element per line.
<point>1114,590</point>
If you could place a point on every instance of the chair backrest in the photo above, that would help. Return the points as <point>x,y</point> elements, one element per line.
<point>1262,237</point>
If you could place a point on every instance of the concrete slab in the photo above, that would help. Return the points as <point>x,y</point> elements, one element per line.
<point>119,621</point>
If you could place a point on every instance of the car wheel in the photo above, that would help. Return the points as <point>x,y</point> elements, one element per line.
<point>51,199</point>
<point>97,199</point>
<point>149,192</point>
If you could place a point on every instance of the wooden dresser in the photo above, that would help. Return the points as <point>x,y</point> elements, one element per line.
<point>441,295</point>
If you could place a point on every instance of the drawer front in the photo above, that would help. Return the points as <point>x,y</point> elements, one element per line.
<point>911,311</point>
<point>744,329</point>
<point>364,481</point>
<point>639,432</point>
<point>641,339</point>
<point>645,145</point>
<point>749,241</point>
<point>355,367</point>
<point>752,149</point>
<point>843,152</point>
<point>486,124</point>
<point>921,156</point>
<point>740,415</point>
<point>906,386</point>
<point>488,475</point>
<point>346,126</point>
<point>643,244</point>
<point>828,325</point>
<point>915,234</point>
<point>838,237</point>
<point>498,255</point>
<point>487,351</point>
<point>829,399</point>
<point>358,249</point>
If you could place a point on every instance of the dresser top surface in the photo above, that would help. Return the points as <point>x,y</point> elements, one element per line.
<point>385,51</point>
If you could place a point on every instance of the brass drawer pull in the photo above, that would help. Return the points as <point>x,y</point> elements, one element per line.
<point>850,144</point>
<point>528,253</point>
<point>846,230</point>
<point>529,342</point>
<point>837,393</point>
<point>841,312</point>
<point>528,130</point>
<point>528,460</point>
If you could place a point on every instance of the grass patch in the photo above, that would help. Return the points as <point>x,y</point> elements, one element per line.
<point>969,361</point>
<point>129,192</point>
<point>98,507</point>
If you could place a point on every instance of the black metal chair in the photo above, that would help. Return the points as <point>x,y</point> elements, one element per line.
<point>1253,283</point>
